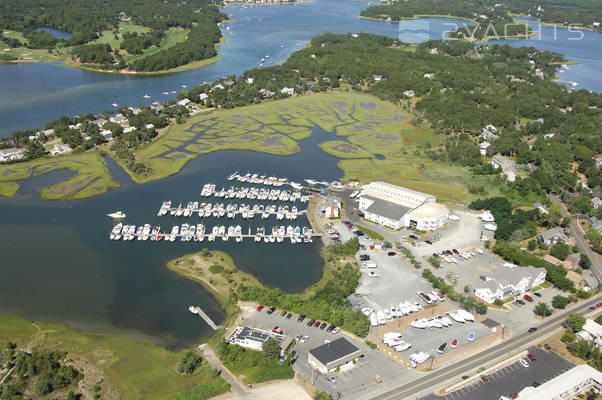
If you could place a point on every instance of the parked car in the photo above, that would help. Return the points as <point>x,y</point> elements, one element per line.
<point>316,324</point>
<point>331,378</point>
<point>282,313</point>
<point>330,328</point>
<point>289,315</point>
<point>537,294</point>
<point>323,325</point>
<point>259,307</point>
<point>413,237</point>
<point>301,318</point>
<point>391,253</point>
<point>531,330</point>
<point>277,330</point>
<point>547,347</point>
<point>271,310</point>
<point>531,357</point>
<point>528,298</point>
<point>311,322</point>
<point>336,330</point>
<point>524,363</point>
<point>455,251</point>
<point>535,384</point>
<point>485,378</point>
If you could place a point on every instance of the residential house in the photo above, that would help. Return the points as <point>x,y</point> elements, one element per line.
<point>598,161</point>
<point>572,261</point>
<point>129,129</point>
<point>203,96</point>
<point>119,119</point>
<point>429,76</point>
<point>332,207</point>
<point>378,78</point>
<point>507,166</point>
<point>575,277</point>
<point>250,80</point>
<point>489,132</point>
<point>268,94</point>
<point>552,260</point>
<point>591,331</point>
<point>135,110</point>
<point>229,83</point>
<point>60,149</point>
<point>12,154</point>
<point>287,91</point>
<point>218,86</point>
<point>409,93</point>
<point>107,135</point>
<point>596,223</point>
<point>596,202</point>
<point>149,126</point>
<point>553,236</point>
<point>510,282</point>
<point>541,208</point>
<point>483,148</point>
<point>183,102</point>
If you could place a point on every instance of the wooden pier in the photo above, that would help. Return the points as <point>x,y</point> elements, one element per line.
<point>208,320</point>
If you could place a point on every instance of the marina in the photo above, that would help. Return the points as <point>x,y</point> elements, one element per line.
<point>219,210</point>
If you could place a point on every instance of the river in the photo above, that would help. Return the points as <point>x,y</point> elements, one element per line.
<point>57,262</point>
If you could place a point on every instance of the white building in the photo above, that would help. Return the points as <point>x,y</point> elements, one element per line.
<point>11,154</point>
<point>119,119</point>
<point>388,205</point>
<point>253,338</point>
<point>510,281</point>
<point>483,148</point>
<point>129,129</point>
<point>566,386</point>
<point>507,166</point>
<point>203,96</point>
<point>250,80</point>
<point>591,331</point>
<point>409,93</point>
<point>287,90</point>
<point>60,149</point>
<point>107,135</point>
<point>183,102</point>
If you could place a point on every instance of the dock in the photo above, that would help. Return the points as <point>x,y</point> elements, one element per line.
<point>199,311</point>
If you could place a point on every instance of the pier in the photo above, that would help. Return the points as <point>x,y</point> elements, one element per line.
<point>199,311</point>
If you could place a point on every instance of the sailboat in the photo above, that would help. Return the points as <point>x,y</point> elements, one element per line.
<point>117,215</point>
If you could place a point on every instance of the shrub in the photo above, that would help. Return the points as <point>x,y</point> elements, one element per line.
<point>498,302</point>
<point>568,337</point>
<point>560,250</point>
<point>560,301</point>
<point>370,344</point>
<point>216,269</point>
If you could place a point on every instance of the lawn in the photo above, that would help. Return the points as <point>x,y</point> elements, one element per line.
<point>92,176</point>
<point>137,370</point>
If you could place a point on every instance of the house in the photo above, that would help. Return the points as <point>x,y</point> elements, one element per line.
<point>119,119</point>
<point>510,282</point>
<point>135,110</point>
<point>229,83</point>
<point>203,96</point>
<point>596,202</point>
<point>129,129</point>
<point>591,331</point>
<point>553,236</point>
<point>427,217</point>
<point>149,126</point>
<point>572,261</point>
<point>268,94</point>
<point>387,204</point>
<point>332,207</point>
<point>568,385</point>
<point>552,260</point>
<point>339,353</point>
<point>107,135</point>
<point>12,154</point>
<point>409,93</point>
<point>489,132</point>
<point>253,338</point>
<point>218,86</point>
<point>250,80</point>
<point>287,91</point>
<point>576,278</point>
<point>483,148</point>
<point>598,160</point>
<point>429,76</point>
<point>541,208</point>
<point>60,149</point>
<point>596,223</point>
<point>378,78</point>
<point>506,165</point>
<point>183,102</point>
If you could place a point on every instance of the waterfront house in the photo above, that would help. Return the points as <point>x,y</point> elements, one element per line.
<point>409,93</point>
<point>107,135</point>
<point>60,149</point>
<point>489,133</point>
<point>287,91</point>
<point>229,83</point>
<point>119,119</point>
<point>268,94</point>
<point>203,96</point>
<point>183,102</point>
<point>506,165</point>
<point>553,236</point>
<point>129,129</point>
<point>250,80</point>
<point>12,154</point>
<point>510,282</point>
<point>218,86</point>
<point>253,338</point>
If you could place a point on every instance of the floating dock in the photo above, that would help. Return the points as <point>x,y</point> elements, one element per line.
<point>199,311</point>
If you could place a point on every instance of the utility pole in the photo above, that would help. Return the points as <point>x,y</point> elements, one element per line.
<point>432,358</point>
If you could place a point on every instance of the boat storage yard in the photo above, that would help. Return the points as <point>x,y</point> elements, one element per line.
<point>215,207</point>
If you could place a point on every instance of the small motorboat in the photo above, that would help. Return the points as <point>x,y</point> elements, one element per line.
<point>442,348</point>
<point>471,337</point>
<point>117,215</point>
<point>454,344</point>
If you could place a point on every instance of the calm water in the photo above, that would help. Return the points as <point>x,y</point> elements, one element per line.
<point>34,94</point>
<point>59,265</point>
<point>57,262</point>
<point>56,33</point>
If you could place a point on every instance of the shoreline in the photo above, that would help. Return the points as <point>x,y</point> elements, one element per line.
<point>282,3</point>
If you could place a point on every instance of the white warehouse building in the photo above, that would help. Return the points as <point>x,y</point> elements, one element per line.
<point>397,207</point>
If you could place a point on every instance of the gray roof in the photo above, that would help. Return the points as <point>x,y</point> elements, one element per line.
<point>596,223</point>
<point>553,232</point>
<point>259,335</point>
<point>334,350</point>
<point>386,208</point>
<point>511,276</point>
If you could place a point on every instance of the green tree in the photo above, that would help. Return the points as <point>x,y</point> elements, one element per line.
<point>271,348</point>
<point>543,310</point>
<point>560,301</point>
<point>560,250</point>
<point>574,322</point>
<point>585,262</point>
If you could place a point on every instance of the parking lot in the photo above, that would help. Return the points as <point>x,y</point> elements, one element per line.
<point>356,383</point>
<point>511,378</point>
<point>395,282</point>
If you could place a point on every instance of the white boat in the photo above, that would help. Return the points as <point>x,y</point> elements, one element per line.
<point>403,346</point>
<point>117,215</point>
<point>466,315</point>
<point>373,319</point>
<point>387,314</point>
<point>115,232</point>
<point>486,216</point>
<point>419,323</point>
<point>193,309</point>
<point>454,217</point>
<point>115,104</point>
<point>456,316</point>
<point>146,96</point>
<point>490,227</point>
<point>420,357</point>
<point>381,318</point>
<point>310,181</point>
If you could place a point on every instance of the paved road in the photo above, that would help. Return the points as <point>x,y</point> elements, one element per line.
<point>430,381</point>
<point>580,239</point>
<point>210,356</point>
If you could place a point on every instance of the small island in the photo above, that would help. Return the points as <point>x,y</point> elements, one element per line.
<point>115,36</point>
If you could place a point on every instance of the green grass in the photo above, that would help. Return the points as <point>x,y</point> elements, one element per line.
<point>370,233</point>
<point>343,149</point>
<point>137,370</point>
<point>172,37</point>
<point>92,176</point>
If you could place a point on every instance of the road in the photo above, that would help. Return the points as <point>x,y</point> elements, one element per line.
<point>432,380</point>
<point>579,239</point>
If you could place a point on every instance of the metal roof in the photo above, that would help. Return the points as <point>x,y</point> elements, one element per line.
<point>386,208</point>
<point>334,350</point>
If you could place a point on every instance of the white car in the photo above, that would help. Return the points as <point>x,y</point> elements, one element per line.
<point>336,330</point>
<point>524,363</point>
